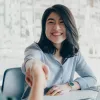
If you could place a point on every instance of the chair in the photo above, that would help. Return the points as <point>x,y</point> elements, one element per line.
<point>13,83</point>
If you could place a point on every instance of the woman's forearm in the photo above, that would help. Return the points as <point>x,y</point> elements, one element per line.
<point>76,86</point>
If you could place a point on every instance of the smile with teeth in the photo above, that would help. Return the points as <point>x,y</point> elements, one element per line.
<point>57,34</point>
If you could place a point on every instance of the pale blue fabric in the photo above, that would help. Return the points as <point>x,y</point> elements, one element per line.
<point>62,73</point>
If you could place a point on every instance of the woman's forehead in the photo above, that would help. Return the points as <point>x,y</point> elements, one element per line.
<point>54,15</point>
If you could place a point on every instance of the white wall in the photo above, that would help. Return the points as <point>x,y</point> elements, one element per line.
<point>20,25</point>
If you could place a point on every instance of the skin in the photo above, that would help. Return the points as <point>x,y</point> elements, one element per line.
<point>39,72</point>
<point>56,32</point>
<point>55,29</point>
<point>35,68</point>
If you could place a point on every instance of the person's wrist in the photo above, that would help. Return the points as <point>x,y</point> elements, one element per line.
<point>38,77</point>
<point>40,80</point>
<point>68,87</point>
<point>71,84</point>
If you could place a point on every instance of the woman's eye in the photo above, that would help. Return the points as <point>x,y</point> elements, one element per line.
<point>61,22</point>
<point>51,22</point>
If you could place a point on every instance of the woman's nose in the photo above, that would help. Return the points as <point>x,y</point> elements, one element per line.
<point>56,27</point>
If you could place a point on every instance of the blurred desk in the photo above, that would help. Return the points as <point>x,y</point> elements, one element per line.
<point>75,95</point>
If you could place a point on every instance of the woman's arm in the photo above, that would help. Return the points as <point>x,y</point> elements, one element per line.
<point>87,78</point>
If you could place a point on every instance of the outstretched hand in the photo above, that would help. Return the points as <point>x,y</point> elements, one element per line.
<point>36,70</point>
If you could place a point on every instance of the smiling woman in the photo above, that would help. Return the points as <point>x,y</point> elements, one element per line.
<point>58,50</point>
<point>55,29</point>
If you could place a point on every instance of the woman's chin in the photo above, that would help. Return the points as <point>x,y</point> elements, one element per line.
<point>57,42</point>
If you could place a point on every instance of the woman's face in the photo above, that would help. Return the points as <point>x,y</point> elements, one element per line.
<point>55,29</point>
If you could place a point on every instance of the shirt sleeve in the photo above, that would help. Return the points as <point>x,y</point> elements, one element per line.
<point>32,52</point>
<point>87,78</point>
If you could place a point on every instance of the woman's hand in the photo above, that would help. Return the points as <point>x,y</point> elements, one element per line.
<point>59,90</point>
<point>28,77</point>
<point>36,70</point>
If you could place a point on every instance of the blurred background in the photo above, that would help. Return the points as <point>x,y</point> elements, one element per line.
<point>20,26</point>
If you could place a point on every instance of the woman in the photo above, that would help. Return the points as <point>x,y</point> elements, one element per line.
<point>58,49</point>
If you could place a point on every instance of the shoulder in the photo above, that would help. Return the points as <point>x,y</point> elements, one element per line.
<point>77,57</point>
<point>33,50</point>
<point>33,46</point>
<point>80,60</point>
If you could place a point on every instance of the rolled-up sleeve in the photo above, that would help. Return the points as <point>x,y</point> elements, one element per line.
<point>87,78</point>
<point>32,52</point>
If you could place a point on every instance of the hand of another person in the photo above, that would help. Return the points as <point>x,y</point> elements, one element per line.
<point>36,70</point>
<point>59,90</point>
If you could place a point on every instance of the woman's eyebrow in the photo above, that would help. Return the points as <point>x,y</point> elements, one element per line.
<point>53,19</point>
<point>50,19</point>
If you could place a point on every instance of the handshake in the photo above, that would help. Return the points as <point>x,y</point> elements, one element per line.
<point>37,75</point>
<point>36,71</point>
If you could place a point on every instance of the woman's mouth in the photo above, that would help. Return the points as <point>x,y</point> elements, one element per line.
<point>57,33</point>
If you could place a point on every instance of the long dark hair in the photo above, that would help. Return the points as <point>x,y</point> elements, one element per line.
<point>70,45</point>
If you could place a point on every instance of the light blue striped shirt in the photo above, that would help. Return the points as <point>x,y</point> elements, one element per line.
<point>62,73</point>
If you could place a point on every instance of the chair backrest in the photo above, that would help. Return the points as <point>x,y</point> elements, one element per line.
<point>13,83</point>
